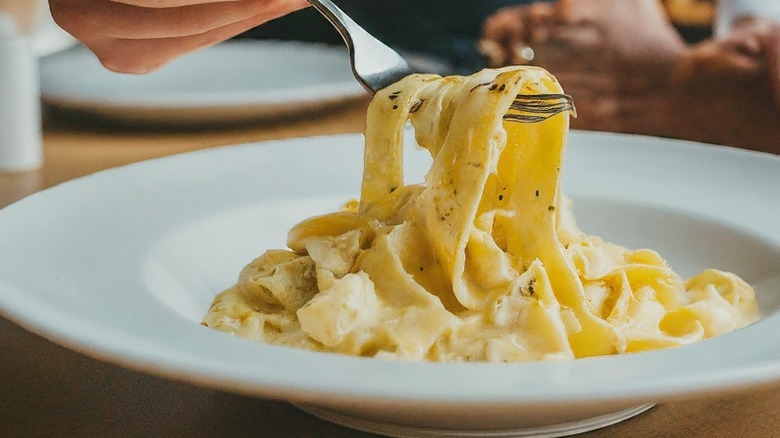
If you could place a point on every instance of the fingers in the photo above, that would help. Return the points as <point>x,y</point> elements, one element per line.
<point>122,21</point>
<point>168,3</point>
<point>138,56</point>
<point>503,25</point>
<point>722,63</point>
<point>501,33</point>
<point>138,36</point>
<point>540,20</point>
<point>508,34</point>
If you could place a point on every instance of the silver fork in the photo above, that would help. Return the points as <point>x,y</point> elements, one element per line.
<point>374,64</point>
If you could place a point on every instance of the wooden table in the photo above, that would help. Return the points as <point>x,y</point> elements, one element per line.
<point>49,391</point>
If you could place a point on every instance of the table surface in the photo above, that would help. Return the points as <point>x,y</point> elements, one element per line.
<point>47,390</point>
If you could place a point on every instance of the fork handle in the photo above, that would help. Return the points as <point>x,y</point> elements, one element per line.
<point>366,71</point>
<point>341,21</point>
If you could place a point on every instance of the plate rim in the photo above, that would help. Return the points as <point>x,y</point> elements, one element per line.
<point>179,366</point>
<point>126,106</point>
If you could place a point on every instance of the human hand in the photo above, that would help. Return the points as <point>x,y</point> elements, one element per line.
<point>583,36</point>
<point>748,59</point>
<point>629,71</point>
<point>139,36</point>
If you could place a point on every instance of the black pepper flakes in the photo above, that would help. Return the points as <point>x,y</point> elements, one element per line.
<point>493,87</point>
<point>551,208</point>
<point>502,87</point>
<point>527,290</point>
<point>395,106</point>
<point>537,193</point>
<point>500,197</point>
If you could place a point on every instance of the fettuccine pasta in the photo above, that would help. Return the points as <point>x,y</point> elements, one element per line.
<point>481,262</point>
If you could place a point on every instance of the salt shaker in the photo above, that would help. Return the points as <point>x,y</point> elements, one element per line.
<point>20,107</point>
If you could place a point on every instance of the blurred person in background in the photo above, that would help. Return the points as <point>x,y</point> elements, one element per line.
<point>639,66</point>
<point>629,69</point>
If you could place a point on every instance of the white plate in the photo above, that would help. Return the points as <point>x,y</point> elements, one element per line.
<point>121,265</point>
<point>236,81</point>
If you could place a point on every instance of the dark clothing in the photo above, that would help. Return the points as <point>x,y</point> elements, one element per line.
<point>444,31</point>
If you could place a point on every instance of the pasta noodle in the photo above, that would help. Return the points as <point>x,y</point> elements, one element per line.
<point>481,262</point>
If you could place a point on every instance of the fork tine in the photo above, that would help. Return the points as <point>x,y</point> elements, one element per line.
<point>534,108</point>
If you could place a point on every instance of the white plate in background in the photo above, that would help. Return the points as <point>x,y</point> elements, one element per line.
<point>232,82</point>
<point>122,265</point>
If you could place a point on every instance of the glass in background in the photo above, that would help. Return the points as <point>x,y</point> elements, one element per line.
<point>20,108</point>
